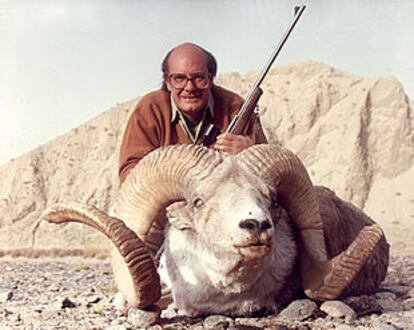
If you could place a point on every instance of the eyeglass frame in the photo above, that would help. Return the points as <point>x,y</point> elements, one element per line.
<point>191,78</point>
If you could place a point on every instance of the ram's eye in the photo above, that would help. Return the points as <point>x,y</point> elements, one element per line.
<point>198,202</point>
<point>275,201</point>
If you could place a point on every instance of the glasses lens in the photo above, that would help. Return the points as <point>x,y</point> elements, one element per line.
<point>201,80</point>
<point>179,80</point>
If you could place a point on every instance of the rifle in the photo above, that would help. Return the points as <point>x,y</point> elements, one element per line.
<point>240,121</point>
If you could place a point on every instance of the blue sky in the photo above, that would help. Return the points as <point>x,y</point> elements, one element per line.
<point>64,62</point>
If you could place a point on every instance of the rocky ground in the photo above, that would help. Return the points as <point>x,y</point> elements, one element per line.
<point>77,293</point>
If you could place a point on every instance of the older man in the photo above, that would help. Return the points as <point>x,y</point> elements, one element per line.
<point>183,108</point>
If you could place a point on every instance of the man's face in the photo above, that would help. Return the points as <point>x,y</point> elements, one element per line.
<point>189,61</point>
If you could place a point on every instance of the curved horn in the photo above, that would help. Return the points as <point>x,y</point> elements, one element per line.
<point>321,278</point>
<point>283,170</point>
<point>159,179</point>
<point>146,281</point>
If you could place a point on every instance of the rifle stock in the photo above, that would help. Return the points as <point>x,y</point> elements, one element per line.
<point>241,120</point>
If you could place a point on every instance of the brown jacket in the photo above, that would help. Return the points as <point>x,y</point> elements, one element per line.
<point>150,125</point>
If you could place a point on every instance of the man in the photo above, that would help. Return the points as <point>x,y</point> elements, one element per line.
<point>182,109</point>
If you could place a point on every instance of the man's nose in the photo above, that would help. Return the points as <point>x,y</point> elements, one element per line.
<point>189,85</point>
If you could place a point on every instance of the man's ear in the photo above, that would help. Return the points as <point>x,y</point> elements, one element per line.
<point>168,85</point>
<point>179,215</point>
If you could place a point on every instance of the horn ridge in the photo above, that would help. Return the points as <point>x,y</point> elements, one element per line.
<point>200,160</point>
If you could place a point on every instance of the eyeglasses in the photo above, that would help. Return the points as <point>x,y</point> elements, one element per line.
<point>200,80</point>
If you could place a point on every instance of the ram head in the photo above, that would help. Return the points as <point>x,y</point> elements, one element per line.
<point>235,235</point>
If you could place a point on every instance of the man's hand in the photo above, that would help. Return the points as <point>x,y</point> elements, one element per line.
<point>232,144</point>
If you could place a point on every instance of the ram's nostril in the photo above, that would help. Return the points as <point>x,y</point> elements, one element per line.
<point>255,226</point>
<point>250,225</point>
<point>265,225</point>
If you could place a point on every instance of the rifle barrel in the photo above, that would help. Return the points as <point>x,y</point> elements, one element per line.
<point>298,10</point>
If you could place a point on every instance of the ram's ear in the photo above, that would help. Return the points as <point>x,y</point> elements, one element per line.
<point>179,215</point>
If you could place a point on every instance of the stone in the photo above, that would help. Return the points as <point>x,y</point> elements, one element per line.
<point>390,305</point>
<point>144,318</point>
<point>300,309</point>
<point>410,293</point>
<point>383,326</point>
<point>338,309</point>
<point>344,327</point>
<point>175,326</point>
<point>119,320</point>
<point>66,303</point>
<point>5,296</point>
<point>93,299</point>
<point>363,305</point>
<point>248,327</point>
<point>54,287</point>
<point>278,327</point>
<point>403,322</point>
<point>408,304</point>
<point>398,290</point>
<point>170,312</point>
<point>217,322</point>
<point>117,327</point>
<point>156,327</point>
<point>120,303</point>
<point>385,295</point>
<point>252,321</point>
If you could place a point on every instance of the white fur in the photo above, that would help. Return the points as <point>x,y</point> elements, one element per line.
<point>204,282</point>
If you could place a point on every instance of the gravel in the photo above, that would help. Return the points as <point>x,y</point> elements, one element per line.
<point>73,292</point>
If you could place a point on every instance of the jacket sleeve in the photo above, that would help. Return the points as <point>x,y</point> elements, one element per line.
<point>141,137</point>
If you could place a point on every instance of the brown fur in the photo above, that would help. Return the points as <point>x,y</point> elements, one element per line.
<point>342,221</point>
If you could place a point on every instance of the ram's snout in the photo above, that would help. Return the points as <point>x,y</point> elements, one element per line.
<point>256,227</point>
<point>258,238</point>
